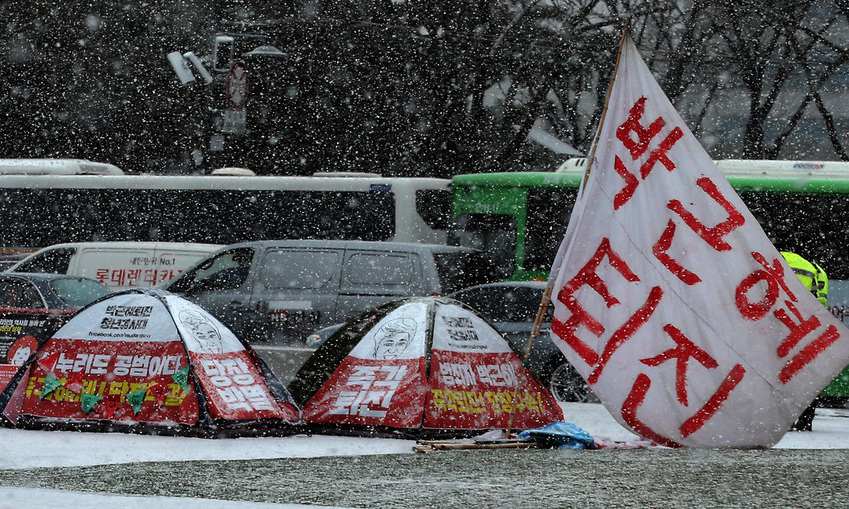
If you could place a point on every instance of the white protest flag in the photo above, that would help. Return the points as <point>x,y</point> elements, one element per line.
<point>668,297</point>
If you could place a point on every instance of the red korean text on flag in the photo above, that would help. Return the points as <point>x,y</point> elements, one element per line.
<point>669,298</point>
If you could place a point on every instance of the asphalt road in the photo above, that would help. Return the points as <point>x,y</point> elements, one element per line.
<point>472,479</point>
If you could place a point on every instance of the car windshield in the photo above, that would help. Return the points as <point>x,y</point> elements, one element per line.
<point>77,292</point>
<point>459,270</point>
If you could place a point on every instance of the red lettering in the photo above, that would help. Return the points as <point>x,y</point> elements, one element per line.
<point>660,153</point>
<point>631,183</point>
<point>682,353</point>
<point>713,404</point>
<point>660,249</point>
<point>808,354</point>
<point>773,276</point>
<point>641,387</point>
<point>627,331</point>
<point>756,310</point>
<point>637,147</point>
<point>630,406</point>
<point>587,276</point>
<point>797,330</point>
<point>713,236</point>
<point>776,270</point>
<point>632,125</point>
<point>566,330</point>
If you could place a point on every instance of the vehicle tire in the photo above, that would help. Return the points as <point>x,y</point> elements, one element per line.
<point>567,386</point>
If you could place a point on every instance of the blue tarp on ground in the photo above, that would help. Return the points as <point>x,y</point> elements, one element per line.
<point>563,435</point>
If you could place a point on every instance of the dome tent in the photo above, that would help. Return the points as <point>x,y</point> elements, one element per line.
<point>420,367</point>
<point>147,361</point>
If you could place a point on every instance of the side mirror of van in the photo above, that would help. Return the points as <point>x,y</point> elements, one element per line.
<point>223,47</point>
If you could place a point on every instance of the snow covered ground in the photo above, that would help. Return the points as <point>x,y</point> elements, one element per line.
<point>30,449</point>
<point>17,498</point>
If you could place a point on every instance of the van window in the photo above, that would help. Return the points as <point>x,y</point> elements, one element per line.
<point>226,271</point>
<point>53,261</point>
<point>300,269</point>
<point>379,270</point>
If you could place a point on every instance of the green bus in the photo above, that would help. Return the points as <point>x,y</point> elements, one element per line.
<point>519,218</point>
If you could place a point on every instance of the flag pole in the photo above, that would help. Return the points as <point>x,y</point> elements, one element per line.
<point>626,31</point>
<point>545,301</point>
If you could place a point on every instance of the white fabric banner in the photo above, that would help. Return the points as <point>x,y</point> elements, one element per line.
<point>457,329</point>
<point>670,300</point>
<point>124,317</point>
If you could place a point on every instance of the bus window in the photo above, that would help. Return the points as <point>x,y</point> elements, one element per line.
<point>434,207</point>
<point>494,234</point>
<point>548,214</point>
<point>219,210</point>
<point>210,216</point>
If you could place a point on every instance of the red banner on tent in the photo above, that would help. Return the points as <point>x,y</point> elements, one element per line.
<point>235,389</point>
<point>7,372</point>
<point>480,391</point>
<point>371,392</point>
<point>114,372</point>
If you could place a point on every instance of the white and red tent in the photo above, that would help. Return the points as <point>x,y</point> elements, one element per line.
<point>148,361</point>
<point>670,300</point>
<point>420,366</point>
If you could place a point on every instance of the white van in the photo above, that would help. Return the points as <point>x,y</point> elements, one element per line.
<point>117,264</point>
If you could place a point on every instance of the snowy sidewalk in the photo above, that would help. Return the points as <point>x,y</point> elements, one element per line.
<point>16,498</point>
<point>31,449</point>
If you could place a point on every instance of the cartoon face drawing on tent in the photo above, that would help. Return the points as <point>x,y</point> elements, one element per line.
<point>393,338</point>
<point>21,356</point>
<point>204,335</point>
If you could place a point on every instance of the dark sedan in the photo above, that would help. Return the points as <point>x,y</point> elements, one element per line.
<point>34,306</point>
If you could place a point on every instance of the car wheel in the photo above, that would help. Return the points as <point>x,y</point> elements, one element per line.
<point>568,386</point>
